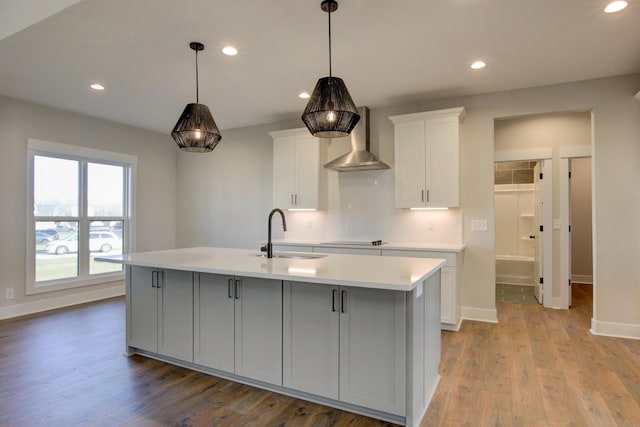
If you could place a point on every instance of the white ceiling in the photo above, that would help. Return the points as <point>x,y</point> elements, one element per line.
<point>388,52</point>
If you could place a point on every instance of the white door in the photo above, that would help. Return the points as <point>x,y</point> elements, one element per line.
<point>538,264</point>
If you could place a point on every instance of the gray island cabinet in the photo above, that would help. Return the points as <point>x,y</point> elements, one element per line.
<point>349,331</point>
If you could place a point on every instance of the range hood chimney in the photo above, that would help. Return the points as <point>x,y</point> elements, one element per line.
<point>359,158</point>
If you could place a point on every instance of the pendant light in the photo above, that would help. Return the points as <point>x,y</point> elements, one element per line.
<point>330,112</point>
<point>196,131</point>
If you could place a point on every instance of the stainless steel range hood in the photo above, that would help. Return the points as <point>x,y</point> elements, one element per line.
<point>359,158</point>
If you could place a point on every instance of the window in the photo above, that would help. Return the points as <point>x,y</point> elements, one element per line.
<point>79,207</point>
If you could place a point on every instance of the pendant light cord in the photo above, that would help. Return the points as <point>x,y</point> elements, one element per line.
<point>197,91</point>
<point>329,39</point>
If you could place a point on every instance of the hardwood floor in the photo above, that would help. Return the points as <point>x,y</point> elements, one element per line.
<point>66,368</point>
<point>535,367</point>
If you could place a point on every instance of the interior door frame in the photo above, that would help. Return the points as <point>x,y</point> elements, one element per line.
<point>545,155</point>
<point>566,154</point>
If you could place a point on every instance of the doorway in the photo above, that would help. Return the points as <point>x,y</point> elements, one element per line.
<point>521,196</point>
<point>576,245</point>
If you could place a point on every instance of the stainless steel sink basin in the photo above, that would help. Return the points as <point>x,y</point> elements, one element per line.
<point>293,256</point>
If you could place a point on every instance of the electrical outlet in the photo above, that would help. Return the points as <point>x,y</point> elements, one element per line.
<point>9,293</point>
<point>479,225</point>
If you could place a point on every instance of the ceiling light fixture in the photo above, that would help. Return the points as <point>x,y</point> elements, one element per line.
<point>96,86</point>
<point>230,51</point>
<point>196,131</point>
<point>330,112</point>
<point>478,65</point>
<point>615,6</point>
<point>304,95</point>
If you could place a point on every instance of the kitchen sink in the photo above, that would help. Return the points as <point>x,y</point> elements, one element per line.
<point>293,255</point>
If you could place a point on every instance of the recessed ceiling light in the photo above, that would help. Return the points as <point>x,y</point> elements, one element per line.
<point>478,65</point>
<point>304,95</point>
<point>230,51</point>
<point>616,6</point>
<point>97,86</point>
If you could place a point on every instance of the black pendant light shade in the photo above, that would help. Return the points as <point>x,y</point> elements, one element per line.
<point>196,131</point>
<point>330,112</point>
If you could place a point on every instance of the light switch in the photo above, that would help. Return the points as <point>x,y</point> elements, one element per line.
<point>479,225</point>
<point>556,224</point>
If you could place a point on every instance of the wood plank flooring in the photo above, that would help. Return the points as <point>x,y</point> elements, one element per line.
<point>536,367</point>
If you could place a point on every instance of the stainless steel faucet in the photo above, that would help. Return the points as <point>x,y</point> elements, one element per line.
<point>284,228</point>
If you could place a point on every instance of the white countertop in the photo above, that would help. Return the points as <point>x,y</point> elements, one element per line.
<point>430,247</point>
<point>393,273</point>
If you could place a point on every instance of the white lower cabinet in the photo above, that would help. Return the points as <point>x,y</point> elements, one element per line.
<point>238,326</point>
<point>346,343</point>
<point>161,307</point>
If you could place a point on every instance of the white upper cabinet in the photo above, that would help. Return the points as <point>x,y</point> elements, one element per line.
<point>427,157</point>
<point>299,181</point>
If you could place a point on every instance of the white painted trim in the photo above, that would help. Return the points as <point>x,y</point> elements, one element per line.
<point>541,153</point>
<point>582,278</point>
<point>613,329</point>
<point>16,310</point>
<point>556,303</point>
<point>564,233</point>
<point>479,314</point>
<point>547,221</point>
<point>47,147</point>
<point>451,326</point>
<point>573,151</point>
<point>426,115</point>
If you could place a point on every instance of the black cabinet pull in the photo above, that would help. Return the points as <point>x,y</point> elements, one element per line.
<point>334,293</point>
<point>229,284</point>
<point>343,298</point>
<point>235,290</point>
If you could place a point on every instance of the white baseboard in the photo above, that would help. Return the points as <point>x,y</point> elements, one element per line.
<point>451,326</point>
<point>479,314</point>
<point>23,309</point>
<point>613,329</point>
<point>580,278</point>
<point>555,303</point>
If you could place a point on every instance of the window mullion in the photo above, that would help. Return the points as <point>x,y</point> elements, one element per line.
<point>83,235</point>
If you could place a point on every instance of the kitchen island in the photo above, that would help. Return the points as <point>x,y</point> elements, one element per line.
<point>355,332</point>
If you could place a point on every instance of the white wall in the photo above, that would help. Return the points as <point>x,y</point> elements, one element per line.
<point>155,201</point>
<point>224,201</point>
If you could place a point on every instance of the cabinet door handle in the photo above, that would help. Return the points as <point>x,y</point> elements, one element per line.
<point>334,294</point>
<point>343,300</point>
<point>235,290</point>
<point>159,278</point>
<point>422,195</point>
<point>154,279</point>
<point>291,199</point>
<point>229,284</point>
<point>427,196</point>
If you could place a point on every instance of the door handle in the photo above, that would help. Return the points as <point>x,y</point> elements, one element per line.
<point>427,196</point>
<point>229,284</point>
<point>343,300</point>
<point>159,278</point>
<point>334,294</point>
<point>422,195</point>
<point>154,278</point>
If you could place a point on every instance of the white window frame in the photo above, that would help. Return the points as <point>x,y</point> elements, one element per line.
<point>36,147</point>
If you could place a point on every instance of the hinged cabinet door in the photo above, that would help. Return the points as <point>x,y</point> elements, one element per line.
<point>214,321</point>
<point>143,309</point>
<point>176,315</point>
<point>284,172</point>
<point>307,172</point>
<point>258,329</point>
<point>442,162</point>
<point>410,158</point>
<point>372,348</point>
<point>311,338</point>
